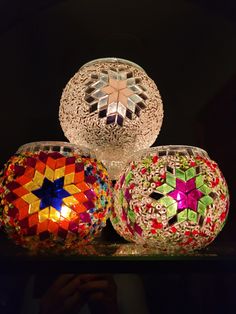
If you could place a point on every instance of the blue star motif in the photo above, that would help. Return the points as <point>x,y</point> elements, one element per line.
<point>51,193</point>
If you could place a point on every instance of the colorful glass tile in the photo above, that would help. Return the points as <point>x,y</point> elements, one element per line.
<point>50,192</point>
<point>173,193</point>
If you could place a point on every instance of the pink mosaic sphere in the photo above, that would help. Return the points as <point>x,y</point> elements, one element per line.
<point>172,197</point>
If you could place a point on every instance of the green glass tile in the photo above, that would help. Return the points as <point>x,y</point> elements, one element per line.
<point>199,181</point>
<point>171,210</point>
<point>115,220</point>
<point>164,188</point>
<point>180,174</point>
<point>167,201</point>
<point>204,189</point>
<point>182,216</point>
<point>207,200</point>
<point>131,215</point>
<point>201,208</point>
<point>170,179</point>
<point>192,215</point>
<point>121,197</point>
<point>128,177</point>
<point>190,173</point>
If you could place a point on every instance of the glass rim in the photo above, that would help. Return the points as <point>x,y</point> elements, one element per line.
<point>114,60</point>
<point>168,147</point>
<point>52,144</point>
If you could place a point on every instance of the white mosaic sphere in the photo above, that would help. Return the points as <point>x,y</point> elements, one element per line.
<point>111,106</point>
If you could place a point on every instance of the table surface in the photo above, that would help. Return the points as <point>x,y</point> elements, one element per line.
<point>117,257</point>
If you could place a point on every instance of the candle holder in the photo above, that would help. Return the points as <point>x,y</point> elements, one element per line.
<point>112,106</point>
<point>54,193</point>
<point>171,197</point>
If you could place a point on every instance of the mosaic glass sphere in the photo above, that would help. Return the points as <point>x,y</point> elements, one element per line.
<point>111,106</point>
<point>54,193</point>
<point>172,197</point>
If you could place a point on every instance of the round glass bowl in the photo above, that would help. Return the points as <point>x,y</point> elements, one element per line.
<point>172,197</point>
<point>111,103</point>
<point>54,193</point>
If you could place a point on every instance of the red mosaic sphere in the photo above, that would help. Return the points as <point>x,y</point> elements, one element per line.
<point>54,193</point>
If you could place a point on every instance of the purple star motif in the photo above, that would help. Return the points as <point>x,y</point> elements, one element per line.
<point>186,194</point>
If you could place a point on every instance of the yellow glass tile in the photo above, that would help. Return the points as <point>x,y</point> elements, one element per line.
<point>31,186</point>
<point>70,200</point>
<point>54,214</point>
<point>49,173</point>
<point>30,198</point>
<point>60,172</point>
<point>72,189</point>
<point>69,178</point>
<point>65,212</point>
<point>34,207</point>
<point>43,214</point>
<point>38,178</point>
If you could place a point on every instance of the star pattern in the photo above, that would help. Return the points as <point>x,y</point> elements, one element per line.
<point>186,195</point>
<point>115,95</point>
<point>51,193</point>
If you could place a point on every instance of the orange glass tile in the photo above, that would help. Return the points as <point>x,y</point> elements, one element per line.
<point>43,226</point>
<point>33,220</point>
<point>53,227</point>
<point>21,191</point>
<point>82,186</point>
<point>23,180</point>
<point>29,172</point>
<point>58,173</point>
<point>69,168</point>
<point>60,162</point>
<point>79,177</point>
<point>69,178</point>
<point>40,166</point>
<point>64,224</point>
<point>20,203</point>
<point>23,212</point>
<point>79,208</point>
<point>80,197</point>
<point>51,163</point>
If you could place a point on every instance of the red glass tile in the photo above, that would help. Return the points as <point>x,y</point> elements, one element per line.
<point>29,172</point>
<point>64,224</point>
<point>80,197</point>
<point>40,166</point>
<point>61,162</point>
<point>23,180</point>
<point>79,177</point>
<point>13,212</point>
<point>42,226</point>
<point>70,160</point>
<point>79,208</point>
<point>21,191</point>
<point>33,219</point>
<point>53,227</point>
<point>23,212</point>
<point>69,169</point>
<point>82,186</point>
<point>51,163</point>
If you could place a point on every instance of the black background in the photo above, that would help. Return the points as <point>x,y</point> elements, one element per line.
<point>187,47</point>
